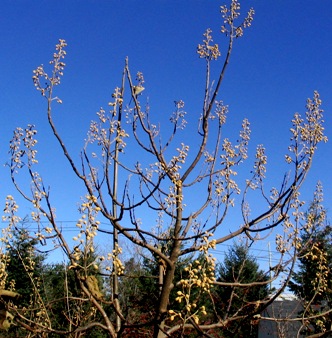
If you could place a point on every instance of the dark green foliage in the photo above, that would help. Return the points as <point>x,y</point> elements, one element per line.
<point>302,283</point>
<point>198,295</point>
<point>138,297</point>
<point>24,260</point>
<point>57,286</point>
<point>315,258</point>
<point>140,290</point>
<point>59,283</point>
<point>68,308</point>
<point>67,305</point>
<point>24,269</point>
<point>317,238</point>
<point>240,267</point>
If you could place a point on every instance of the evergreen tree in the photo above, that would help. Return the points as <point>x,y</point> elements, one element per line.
<point>66,301</point>
<point>53,285</point>
<point>312,283</point>
<point>139,287</point>
<point>24,270</point>
<point>139,291</point>
<point>25,265</point>
<point>240,267</point>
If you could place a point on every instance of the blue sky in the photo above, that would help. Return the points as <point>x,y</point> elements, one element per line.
<point>275,67</point>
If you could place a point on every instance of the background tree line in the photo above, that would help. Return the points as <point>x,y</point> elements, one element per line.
<point>139,288</point>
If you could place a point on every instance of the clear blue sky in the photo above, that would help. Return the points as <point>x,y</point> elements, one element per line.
<point>275,67</point>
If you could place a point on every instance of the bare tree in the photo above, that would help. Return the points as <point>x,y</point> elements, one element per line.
<point>129,193</point>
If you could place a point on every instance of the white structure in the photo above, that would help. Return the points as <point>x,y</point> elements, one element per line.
<point>285,306</point>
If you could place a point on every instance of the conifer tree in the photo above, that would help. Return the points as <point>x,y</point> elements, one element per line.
<point>246,285</point>
<point>24,271</point>
<point>312,282</point>
<point>25,264</point>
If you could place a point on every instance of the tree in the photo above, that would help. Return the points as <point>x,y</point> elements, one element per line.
<point>67,305</point>
<point>243,284</point>
<point>25,265</point>
<point>312,282</point>
<point>140,288</point>
<point>127,194</point>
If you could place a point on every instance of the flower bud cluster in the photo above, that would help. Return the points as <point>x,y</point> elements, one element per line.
<point>88,225</point>
<point>321,280</point>
<point>118,266</point>
<point>230,15</point>
<point>106,131</point>
<point>22,147</point>
<point>4,260</point>
<point>178,116</point>
<point>206,50</point>
<point>306,133</point>
<point>197,276</point>
<point>40,76</point>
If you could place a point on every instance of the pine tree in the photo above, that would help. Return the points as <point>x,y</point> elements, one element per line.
<point>24,270</point>
<point>70,309</point>
<point>241,268</point>
<point>312,283</point>
<point>25,265</point>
